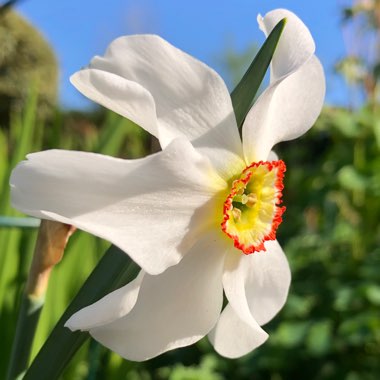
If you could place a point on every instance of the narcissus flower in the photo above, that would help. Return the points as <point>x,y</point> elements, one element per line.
<point>200,216</point>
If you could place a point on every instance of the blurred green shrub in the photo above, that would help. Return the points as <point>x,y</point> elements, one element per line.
<point>26,61</point>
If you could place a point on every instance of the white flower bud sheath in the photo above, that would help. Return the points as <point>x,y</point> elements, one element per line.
<point>199,217</point>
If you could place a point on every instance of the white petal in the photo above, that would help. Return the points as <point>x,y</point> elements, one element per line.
<point>268,285</point>
<point>233,338</point>
<point>256,287</point>
<point>174,309</point>
<point>285,111</point>
<point>258,282</point>
<point>273,156</point>
<point>290,106</point>
<point>113,306</point>
<point>153,208</point>
<point>296,44</point>
<point>237,332</point>
<point>190,98</point>
<point>121,95</point>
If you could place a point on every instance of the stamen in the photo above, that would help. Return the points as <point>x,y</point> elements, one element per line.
<point>241,198</point>
<point>251,199</point>
<point>236,213</point>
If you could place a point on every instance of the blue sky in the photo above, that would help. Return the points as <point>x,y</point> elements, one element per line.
<point>79,29</point>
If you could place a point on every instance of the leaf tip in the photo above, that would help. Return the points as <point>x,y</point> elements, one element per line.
<point>283,22</point>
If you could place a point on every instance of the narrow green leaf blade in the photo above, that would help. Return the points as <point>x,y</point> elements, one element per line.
<point>114,270</point>
<point>244,93</point>
<point>28,318</point>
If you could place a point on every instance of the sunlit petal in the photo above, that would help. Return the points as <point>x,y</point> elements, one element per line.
<point>190,99</point>
<point>293,101</point>
<point>173,309</point>
<point>232,337</point>
<point>120,95</point>
<point>153,208</point>
<point>113,306</point>
<point>295,47</point>
<point>257,285</point>
<point>285,111</point>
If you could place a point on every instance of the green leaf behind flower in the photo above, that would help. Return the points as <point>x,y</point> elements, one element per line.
<point>244,93</point>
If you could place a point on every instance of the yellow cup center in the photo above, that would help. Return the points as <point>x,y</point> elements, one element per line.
<point>252,211</point>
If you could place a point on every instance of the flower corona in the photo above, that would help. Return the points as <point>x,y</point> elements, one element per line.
<point>252,211</point>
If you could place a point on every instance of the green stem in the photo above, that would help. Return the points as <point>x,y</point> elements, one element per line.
<point>26,326</point>
<point>114,270</point>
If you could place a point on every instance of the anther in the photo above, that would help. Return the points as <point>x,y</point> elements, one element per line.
<point>251,200</point>
<point>241,198</point>
<point>236,213</point>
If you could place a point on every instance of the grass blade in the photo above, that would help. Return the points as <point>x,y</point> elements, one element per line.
<point>26,326</point>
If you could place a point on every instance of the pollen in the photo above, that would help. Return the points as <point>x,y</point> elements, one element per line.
<point>252,211</point>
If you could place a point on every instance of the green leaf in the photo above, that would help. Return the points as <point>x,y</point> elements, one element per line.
<point>345,123</point>
<point>114,270</point>
<point>376,131</point>
<point>244,93</point>
<point>319,338</point>
<point>29,314</point>
<point>290,334</point>
<point>351,179</point>
<point>372,293</point>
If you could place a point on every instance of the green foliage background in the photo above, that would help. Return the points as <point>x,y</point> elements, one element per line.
<point>26,59</point>
<point>330,326</point>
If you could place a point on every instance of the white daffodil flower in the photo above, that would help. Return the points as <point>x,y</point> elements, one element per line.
<point>200,216</point>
